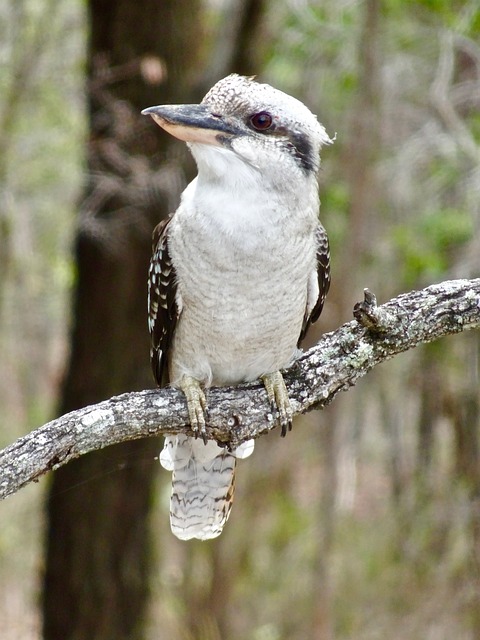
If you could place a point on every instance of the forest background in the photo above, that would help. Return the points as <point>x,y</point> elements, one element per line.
<point>365,522</point>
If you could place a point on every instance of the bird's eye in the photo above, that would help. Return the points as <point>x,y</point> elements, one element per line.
<point>261,121</point>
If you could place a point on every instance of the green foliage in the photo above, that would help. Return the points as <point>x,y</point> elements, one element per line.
<point>425,247</point>
<point>334,212</point>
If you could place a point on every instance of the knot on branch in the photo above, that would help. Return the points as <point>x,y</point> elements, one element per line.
<point>376,319</point>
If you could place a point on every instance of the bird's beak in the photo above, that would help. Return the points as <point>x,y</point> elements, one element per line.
<point>191,123</point>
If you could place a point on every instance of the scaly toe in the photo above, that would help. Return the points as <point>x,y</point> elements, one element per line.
<point>196,405</point>
<point>279,400</point>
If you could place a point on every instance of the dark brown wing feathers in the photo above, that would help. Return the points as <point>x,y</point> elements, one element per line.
<point>162,307</point>
<point>323,273</point>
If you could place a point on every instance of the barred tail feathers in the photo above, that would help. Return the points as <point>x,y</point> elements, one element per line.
<point>203,484</point>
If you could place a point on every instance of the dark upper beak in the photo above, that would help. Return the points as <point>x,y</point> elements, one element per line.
<point>191,122</point>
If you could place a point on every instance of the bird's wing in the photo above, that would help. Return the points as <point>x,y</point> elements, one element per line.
<point>319,282</point>
<point>163,311</point>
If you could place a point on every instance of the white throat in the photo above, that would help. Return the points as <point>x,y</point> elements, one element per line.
<point>235,196</point>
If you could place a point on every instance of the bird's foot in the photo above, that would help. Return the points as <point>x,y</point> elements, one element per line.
<point>279,401</point>
<point>196,405</point>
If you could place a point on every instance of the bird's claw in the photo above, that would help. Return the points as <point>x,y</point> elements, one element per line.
<point>279,401</point>
<point>196,406</point>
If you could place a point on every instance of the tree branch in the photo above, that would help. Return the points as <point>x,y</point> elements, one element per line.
<point>240,413</point>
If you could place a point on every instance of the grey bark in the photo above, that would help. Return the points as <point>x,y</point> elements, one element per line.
<point>237,414</point>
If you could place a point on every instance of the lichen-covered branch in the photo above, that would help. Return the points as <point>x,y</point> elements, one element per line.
<point>237,414</point>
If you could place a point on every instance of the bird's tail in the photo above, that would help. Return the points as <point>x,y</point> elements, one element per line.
<point>203,484</point>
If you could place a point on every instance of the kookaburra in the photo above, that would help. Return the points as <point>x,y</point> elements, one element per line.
<point>238,274</point>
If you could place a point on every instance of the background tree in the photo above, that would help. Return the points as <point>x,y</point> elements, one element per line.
<point>96,571</point>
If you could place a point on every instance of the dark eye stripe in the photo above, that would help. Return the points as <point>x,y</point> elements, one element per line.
<point>303,150</point>
<point>298,141</point>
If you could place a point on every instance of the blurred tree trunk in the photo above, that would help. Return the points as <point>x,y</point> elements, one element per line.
<point>463,407</point>
<point>359,163</point>
<point>361,157</point>
<point>431,381</point>
<point>97,555</point>
<point>322,606</point>
<point>431,388</point>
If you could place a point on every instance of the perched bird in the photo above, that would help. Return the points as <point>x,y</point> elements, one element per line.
<point>238,274</point>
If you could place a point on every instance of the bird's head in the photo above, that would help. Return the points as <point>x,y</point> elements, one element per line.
<point>266,129</point>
